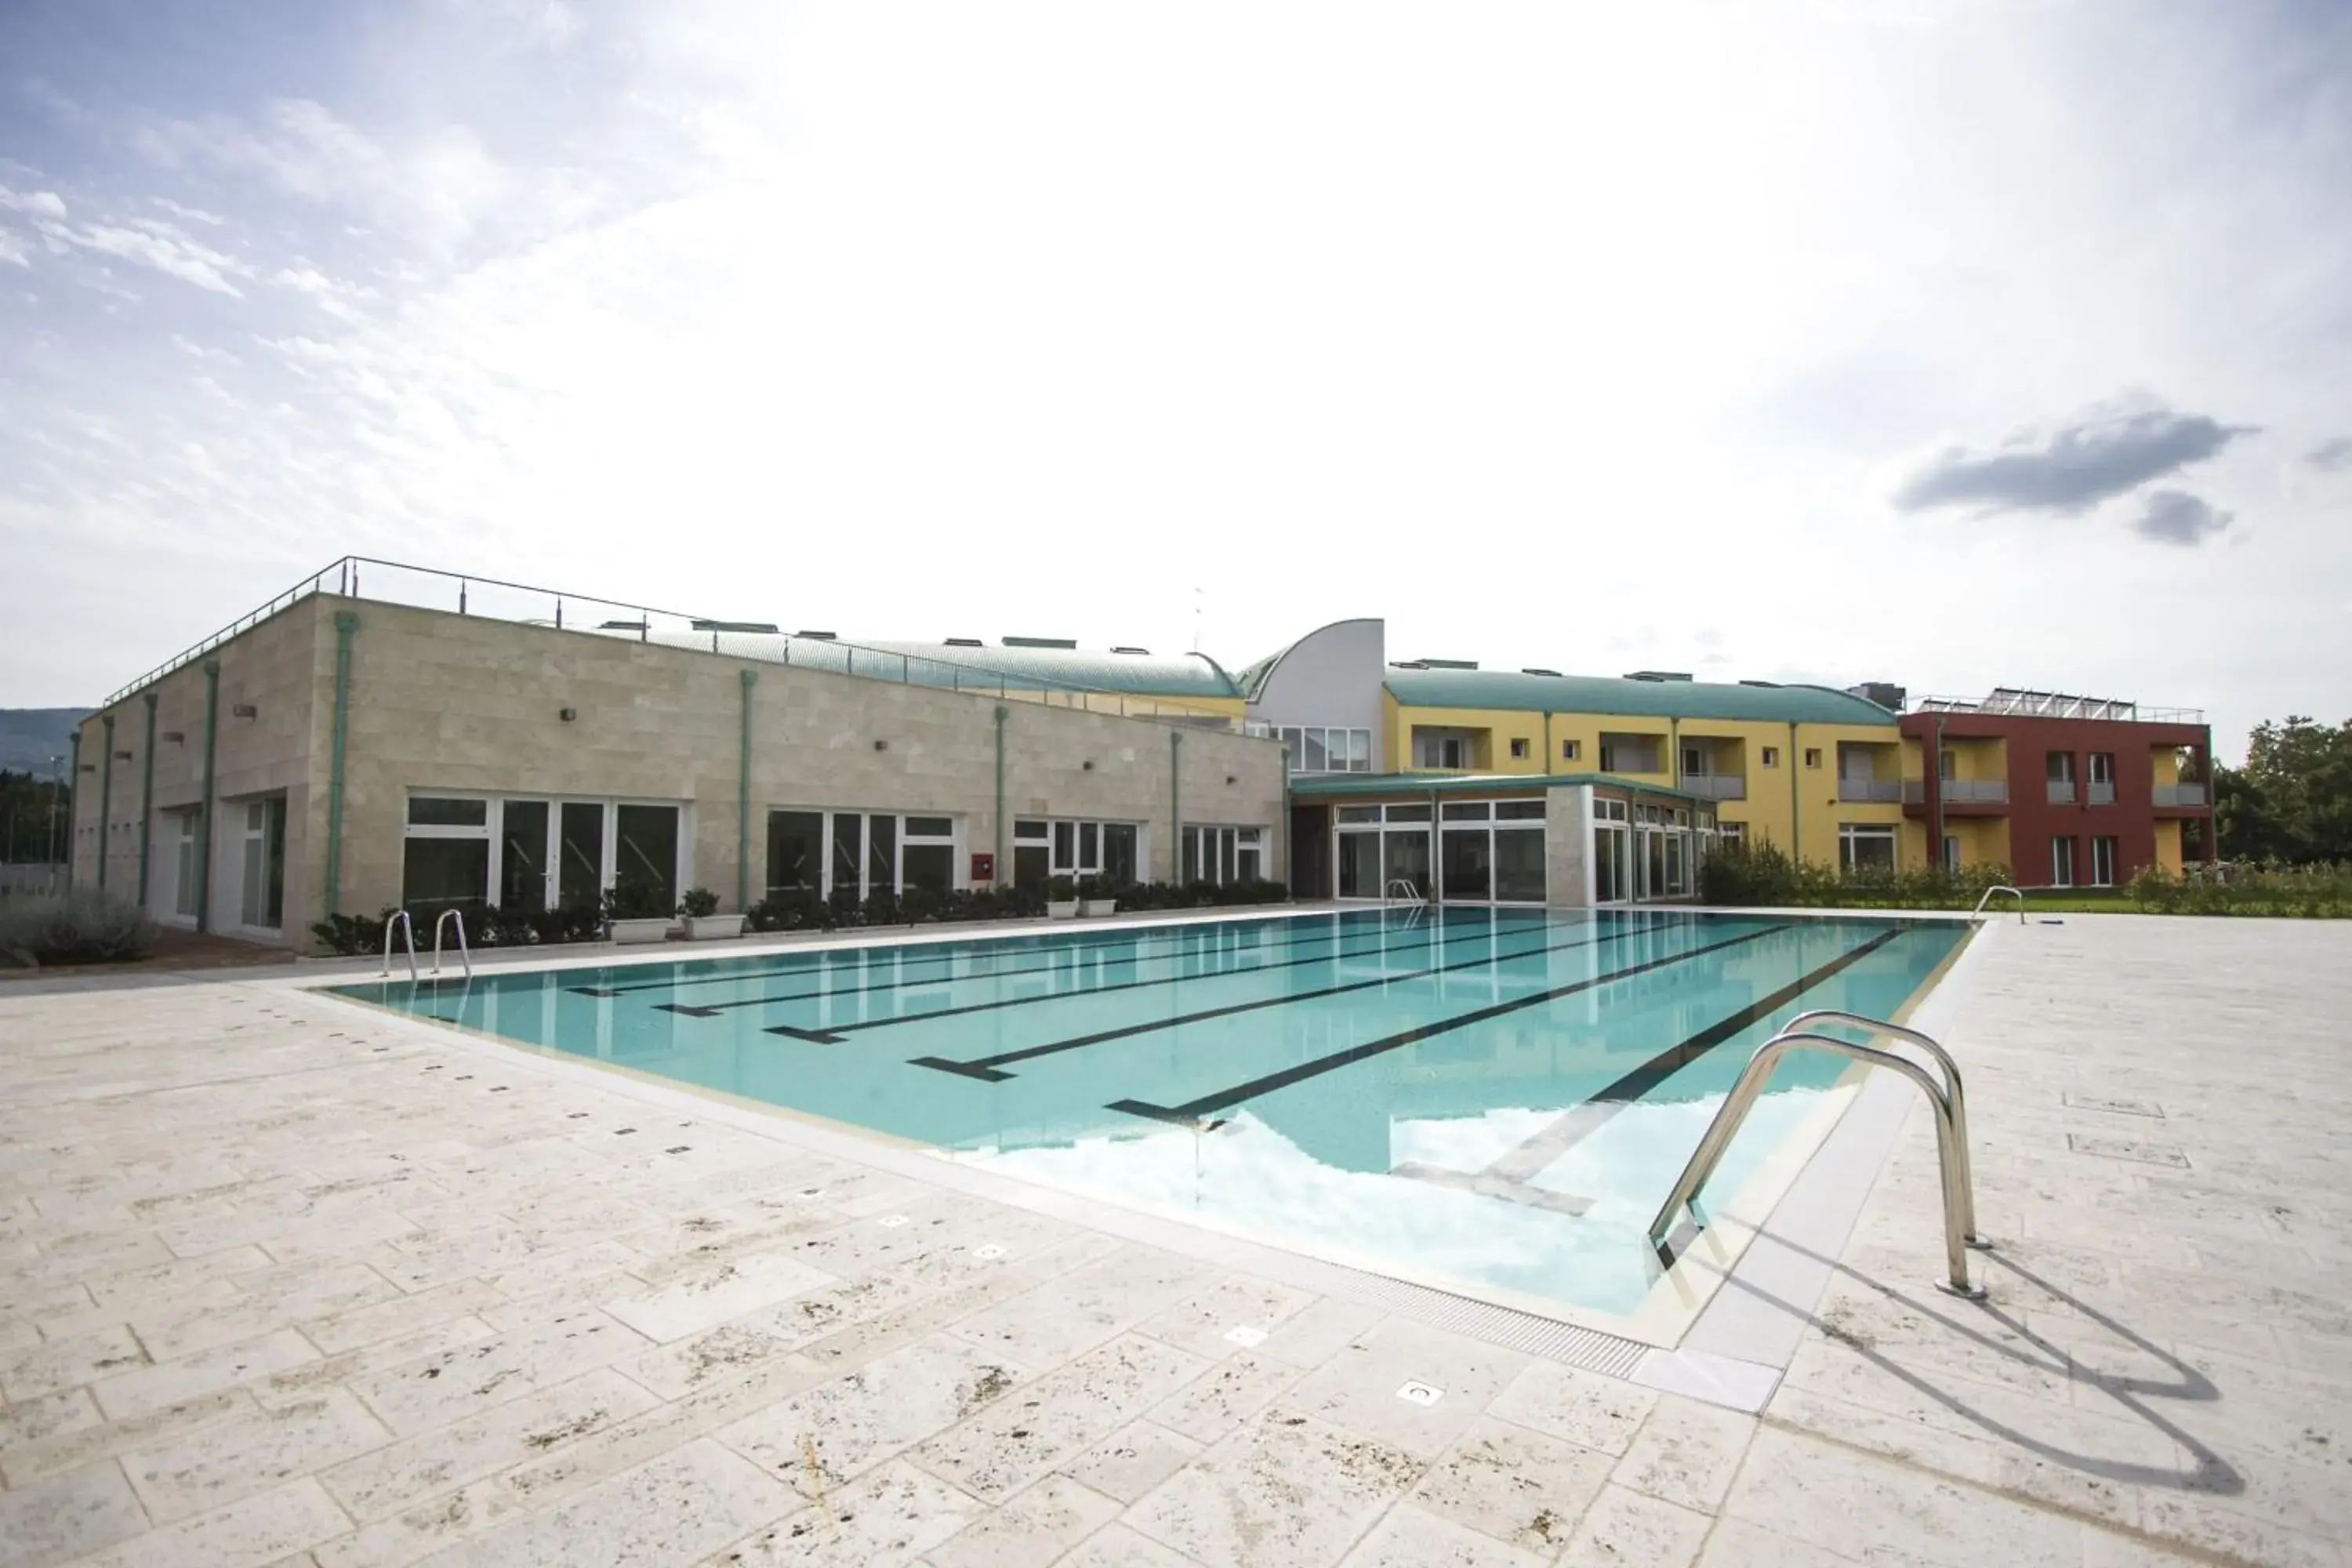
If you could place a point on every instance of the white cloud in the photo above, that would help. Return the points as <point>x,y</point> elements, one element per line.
<point>153,244</point>
<point>36,203</point>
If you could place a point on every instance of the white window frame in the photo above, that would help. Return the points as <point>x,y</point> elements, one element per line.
<point>187,865</point>
<point>1354,746</point>
<point>1853,833</point>
<point>2103,876</point>
<point>1214,842</point>
<point>1732,832</point>
<point>2067,880</point>
<point>493,830</point>
<point>958,867</point>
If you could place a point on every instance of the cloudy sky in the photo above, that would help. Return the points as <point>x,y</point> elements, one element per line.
<point>1953,344</point>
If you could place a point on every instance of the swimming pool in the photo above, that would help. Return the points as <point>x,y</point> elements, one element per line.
<point>1489,1100</point>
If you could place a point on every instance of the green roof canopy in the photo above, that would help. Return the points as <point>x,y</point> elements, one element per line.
<point>1602,694</point>
<point>1192,675</point>
<point>1325,787</point>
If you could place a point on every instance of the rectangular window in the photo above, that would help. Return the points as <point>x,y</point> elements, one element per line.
<point>1466,811</point>
<point>1317,757</point>
<point>1812,756</point>
<point>2061,862</point>
<point>927,868</point>
<point>1119,851</point>
<point>2102,767</point>
<point>1732,832</point>
<point>522,854</point>
<point>930,827</point>
<point>184,887</point>
<point>2102,862</point>
<point>1519,861</point>
<point>437,811</point>
<point>265,864</point>
<point>1694,761</point>
<point>2058,767</point>
<point>1609,810</point>
<point>1028,832</point>
<point>1408,814</point>
<point>795,853</point>
<point>1359,751</point>
<point>645,850</point>
<point>1947,763</point>
<point>1519,748</point>
<point>1865,847</point>
<point>1359,813</point>
<point>881,856</point>
<point>848,853</point>
<point>1771,756</point>
<point>1570,751</point>
<point>1518,810</point>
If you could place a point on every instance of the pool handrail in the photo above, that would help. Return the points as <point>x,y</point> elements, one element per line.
<point>1411,894</point>
<point>1957,1201</point>
<point>408,930</point>
<point>2017,893</point>
<point>1954,1092</point>
<point>463,955</point>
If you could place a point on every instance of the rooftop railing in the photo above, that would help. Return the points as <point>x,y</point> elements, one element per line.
<point>2057,705</point>
<point>423,587</point>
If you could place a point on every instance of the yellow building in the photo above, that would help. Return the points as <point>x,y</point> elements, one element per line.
<point>1816,771</point>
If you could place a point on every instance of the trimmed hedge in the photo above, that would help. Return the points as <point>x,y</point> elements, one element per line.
<point>80,925</point>
<point>1765,874</point>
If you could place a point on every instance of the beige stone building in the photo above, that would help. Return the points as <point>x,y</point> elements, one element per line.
<point>344,752</point>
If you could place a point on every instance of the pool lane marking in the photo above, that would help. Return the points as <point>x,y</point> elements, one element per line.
<point>1534,1156</point>
<point>994,947</point>
<point>835,1035</point>
<point>1485,1184</point>
<point>985,1068</point>
<point>713,1009</point>
<point>1191,1112</point>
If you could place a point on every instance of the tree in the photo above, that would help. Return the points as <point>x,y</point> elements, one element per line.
<point>2292,800</point>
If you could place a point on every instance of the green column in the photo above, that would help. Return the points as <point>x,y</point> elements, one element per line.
<point>105,795</point>
<point>1003,872</point>
<point>744,801</point>
<point>346,624</point>
<point>204,812</point>
<point>72,789</point>
<point>146,797</point>
<point>1176,805</point>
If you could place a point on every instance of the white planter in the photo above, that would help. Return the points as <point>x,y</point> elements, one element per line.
<point>713,928</point>
<point>1062,909</point>
<point>653,930</point>
<point>1094,909</point>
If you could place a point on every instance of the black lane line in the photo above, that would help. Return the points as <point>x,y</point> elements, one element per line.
<point>994,947</point>
<point>713,1009</point>
<point>1189,1114</point>
<point>985,1067</point>
<point>1573,1126</point>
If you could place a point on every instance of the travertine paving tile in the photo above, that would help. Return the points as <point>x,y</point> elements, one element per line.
<point>1082,1309</point>
<point>672,1509</point>
<point>250,1451</point>
<point>886,1519</point>
<point>1686,1453</point>
<point>1017,1440</point>
<point>459,1382</point>
<point>1132,1460</point>
<point>1521,1486</point>
<point>1224,1396</point>
<point>395,1475</point>
<point>1201,1323</point>
<point>1358,1387</point>
<point>1284,1490</point>
<point>1116,1546</point>
<point>1737,1545</point>
<point>819,1440</point>
<point>251,1534</point>
<point>48,1367</point>
<point>399,1316</point>
<point>1038,1526</point>
<point>1408,1538</point>
<point>67,1516</point>
<point>728,1290</point>
<point>150,1389</point>
<point>1626,1528</point>
<point>1582,1407</point>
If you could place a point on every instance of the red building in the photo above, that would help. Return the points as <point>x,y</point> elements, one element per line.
<point>2065,791</point>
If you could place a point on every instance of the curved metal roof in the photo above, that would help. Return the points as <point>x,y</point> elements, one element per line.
<point>1135,674</point>
<point>1602,694</point>
<point>1253,678</point>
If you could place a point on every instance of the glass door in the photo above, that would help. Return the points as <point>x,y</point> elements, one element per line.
<point>523,881</point>
<point>580,853</point>
<point>1612,861</point>
<point>1466,871</point>
<point>1405,858</point>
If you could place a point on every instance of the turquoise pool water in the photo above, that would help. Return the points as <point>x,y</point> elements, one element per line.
<point>1492,1098</point>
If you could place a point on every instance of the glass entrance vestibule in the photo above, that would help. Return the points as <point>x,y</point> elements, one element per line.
<point>1486,852</point>
<point>1643,852</point>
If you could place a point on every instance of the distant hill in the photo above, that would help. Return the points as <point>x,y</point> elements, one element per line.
<point>30,737</point>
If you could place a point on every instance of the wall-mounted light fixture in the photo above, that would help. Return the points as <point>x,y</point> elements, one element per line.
<point>244,710</point>
<point>1087,766</point>
<point>177,737</point>
<point>878,745</point>
<point>122,756</point>
<point>1229,778</point>
<point>567,714</point>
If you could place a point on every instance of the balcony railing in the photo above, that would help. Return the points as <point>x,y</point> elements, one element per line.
<point>2060,792</point>
<point>1716,786</point>
<point>1866,790</point>
<point>1960,791</point>
<point>2102,792</point>
<point>2180,794</point>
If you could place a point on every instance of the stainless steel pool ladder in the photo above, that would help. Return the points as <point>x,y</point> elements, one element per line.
<point>1948,1098</point>
<point>408,930</point>
<point>463,956</point>
<point>1411,894</point>
<point>2017,893</point>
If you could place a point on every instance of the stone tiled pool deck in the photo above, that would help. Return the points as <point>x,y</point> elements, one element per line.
<point>284,1283</point>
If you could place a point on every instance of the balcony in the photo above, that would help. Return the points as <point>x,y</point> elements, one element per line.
<point>1960,792</point>
<point>1870,791</point>
<point>2102,792</point>
<point>2180,794</point>
<point>1716,786</point>
<point>2061,792</point>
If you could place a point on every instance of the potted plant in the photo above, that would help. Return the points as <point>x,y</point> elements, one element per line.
<point>703,920</point>
<point>1061,898</point>
<point>1097,896</point>
<point>633,912</point>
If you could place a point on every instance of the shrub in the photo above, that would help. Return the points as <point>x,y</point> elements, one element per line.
<point>1739,874</point>
<point>631,899</point>
<point>2246,888</point>
<point>79,925</point>
<point>1061,889</point>
<point>698,903</point>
